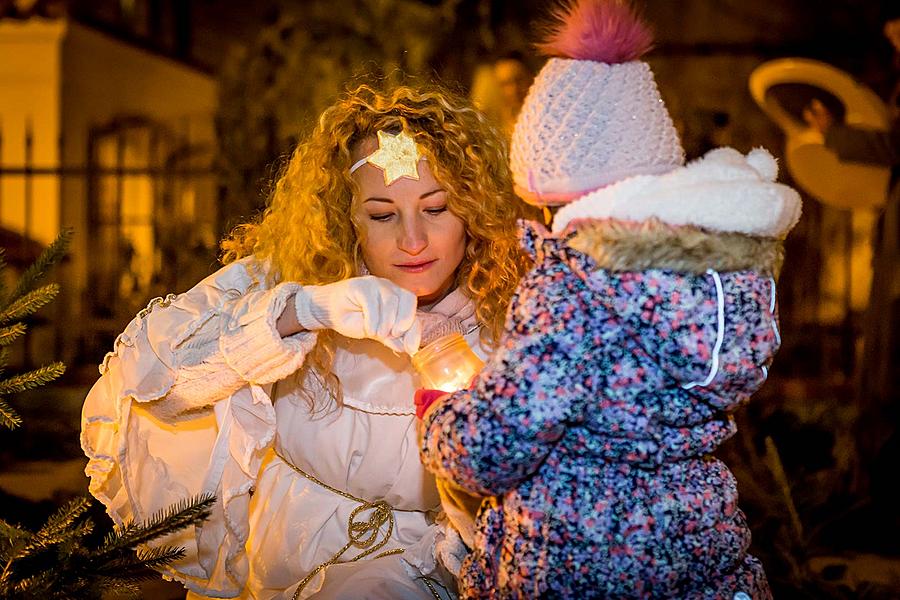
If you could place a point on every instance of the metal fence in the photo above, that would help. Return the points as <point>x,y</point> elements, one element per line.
<point>142,203</point>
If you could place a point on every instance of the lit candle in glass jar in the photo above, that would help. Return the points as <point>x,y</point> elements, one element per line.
<point>447,363</point>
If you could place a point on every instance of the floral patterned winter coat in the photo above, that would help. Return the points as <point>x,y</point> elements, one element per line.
<point>593,424</point>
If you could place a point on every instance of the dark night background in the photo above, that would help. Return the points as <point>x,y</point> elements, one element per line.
<point>156,125</point>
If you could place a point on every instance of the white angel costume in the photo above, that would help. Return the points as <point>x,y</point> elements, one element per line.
<point>202,394</point>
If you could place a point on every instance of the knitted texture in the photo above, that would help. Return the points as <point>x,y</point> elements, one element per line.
<point>313,304</point>
<point>436,326</point>
<point>587,124</point>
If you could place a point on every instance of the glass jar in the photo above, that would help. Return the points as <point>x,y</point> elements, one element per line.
<point>447,363</point>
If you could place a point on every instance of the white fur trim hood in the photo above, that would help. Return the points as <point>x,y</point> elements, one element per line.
<point>723,191</point>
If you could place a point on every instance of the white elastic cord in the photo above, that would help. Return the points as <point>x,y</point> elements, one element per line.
<point>720,333</point>
<point>772,302</point>
<point>358,164</point>
<point>772,311</point>
<point>774,324</point>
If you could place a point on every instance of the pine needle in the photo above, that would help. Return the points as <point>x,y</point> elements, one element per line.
<point>154,558</point>
<point>11,536</point>
<point>29,303</point>
<point>141,565</point>
<point>9,334</point>
<point>61,527</point>
<point>36,583</point>
<point>9,418</point>
<point>56,561</point>
<point>65,516</point>
<point>185,513</point>
<point>11,532</point>
<point>32,379</point>
<point>51,255</point>
<point>118,587</point>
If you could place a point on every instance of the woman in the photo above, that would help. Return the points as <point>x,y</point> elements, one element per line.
<point>282,383</point>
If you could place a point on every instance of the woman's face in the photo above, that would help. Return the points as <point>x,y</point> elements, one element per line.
<point>408,234</point>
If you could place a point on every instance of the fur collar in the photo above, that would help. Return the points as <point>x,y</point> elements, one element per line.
<point>652,244</point>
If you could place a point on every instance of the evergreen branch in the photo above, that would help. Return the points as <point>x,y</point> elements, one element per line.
<point>29,303</point>
<point>51,255</point>
<point>140,565</point>
<point>9,334</point>
<point>65,516</point>
<point>156,558</point>
<point>45,563</point>
<point>61,527</point>
<point>37,544</point>
<point>33,586</point>
<point>73,536</point>
<point>65,537</point>
<point>11,538</point>
<point>9,418</point>
<point>117,588</point>
<point>10,557</point>
<point>32,379</point>
<point>187,512</point>
<point>12,532</point>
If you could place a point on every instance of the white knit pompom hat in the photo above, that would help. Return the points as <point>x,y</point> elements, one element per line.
<point>594,115</point>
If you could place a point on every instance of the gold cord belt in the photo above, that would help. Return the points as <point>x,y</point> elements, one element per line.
<point>361,532</point>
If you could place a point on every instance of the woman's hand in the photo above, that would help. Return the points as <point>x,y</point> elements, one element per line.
<point>361,307</point>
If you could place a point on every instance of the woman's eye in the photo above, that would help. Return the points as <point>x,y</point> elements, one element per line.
<point>381,217</point>
<point>436,210</point>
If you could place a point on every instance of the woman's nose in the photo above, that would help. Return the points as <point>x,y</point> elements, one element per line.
<point>413,237</point>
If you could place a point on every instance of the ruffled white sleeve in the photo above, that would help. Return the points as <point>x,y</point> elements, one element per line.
<point>182,407</point>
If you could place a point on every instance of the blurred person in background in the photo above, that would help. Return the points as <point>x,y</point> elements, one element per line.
<point>878,376</point>
<point>499,89</point>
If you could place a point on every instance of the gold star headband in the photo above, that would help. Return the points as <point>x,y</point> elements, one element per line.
<point>397,156</point>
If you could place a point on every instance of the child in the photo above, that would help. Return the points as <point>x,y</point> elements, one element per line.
<point>648,318</point>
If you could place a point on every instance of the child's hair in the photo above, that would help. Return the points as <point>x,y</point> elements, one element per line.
<point>307,233</point>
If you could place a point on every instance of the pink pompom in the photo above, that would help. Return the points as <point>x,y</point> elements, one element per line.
<point>607,31</point>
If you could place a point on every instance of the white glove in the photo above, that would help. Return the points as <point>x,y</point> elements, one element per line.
<point>362,307</point>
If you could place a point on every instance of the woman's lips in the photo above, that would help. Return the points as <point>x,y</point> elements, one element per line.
<point>416,267</point>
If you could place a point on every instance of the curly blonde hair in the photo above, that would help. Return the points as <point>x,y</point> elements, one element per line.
<point>307,232</point>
